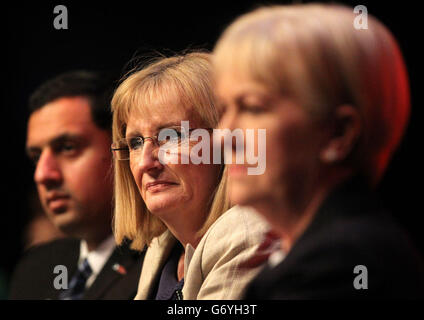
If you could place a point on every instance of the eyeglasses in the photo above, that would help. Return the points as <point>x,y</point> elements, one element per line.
<point>126,148</point>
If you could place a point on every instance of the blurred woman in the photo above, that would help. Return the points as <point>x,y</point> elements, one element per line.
<point>178,208</point>
<point>334,101</point>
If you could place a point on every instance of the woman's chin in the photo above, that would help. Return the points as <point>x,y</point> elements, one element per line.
<point>161,205</point>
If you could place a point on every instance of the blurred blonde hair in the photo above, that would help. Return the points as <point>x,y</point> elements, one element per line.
<point>314,54</point>
<point>187,77</point>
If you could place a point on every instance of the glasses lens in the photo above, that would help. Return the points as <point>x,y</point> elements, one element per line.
<point>172,136</point>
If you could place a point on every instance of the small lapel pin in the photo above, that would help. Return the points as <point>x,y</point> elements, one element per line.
<point>119,268</point>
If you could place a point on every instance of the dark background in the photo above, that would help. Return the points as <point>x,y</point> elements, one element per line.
<point>105,36</point>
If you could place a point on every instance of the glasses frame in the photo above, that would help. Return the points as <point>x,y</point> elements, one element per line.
<point>153,138</point>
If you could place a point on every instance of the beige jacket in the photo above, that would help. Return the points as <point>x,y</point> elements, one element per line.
<point>226,259</point>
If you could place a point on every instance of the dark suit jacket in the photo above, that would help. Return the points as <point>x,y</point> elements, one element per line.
<point>33,276</point>
<point>349,229</point>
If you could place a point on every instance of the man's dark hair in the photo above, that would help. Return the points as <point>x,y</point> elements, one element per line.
<point>95,86</point>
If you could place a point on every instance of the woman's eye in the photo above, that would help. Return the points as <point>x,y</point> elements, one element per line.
<point>172,135</point>
<point>135,143</point>
<point>180,135</point>
<point>254,109</point>
<point>176,137</point>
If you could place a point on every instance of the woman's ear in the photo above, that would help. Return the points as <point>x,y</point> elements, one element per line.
<point>347,129</point>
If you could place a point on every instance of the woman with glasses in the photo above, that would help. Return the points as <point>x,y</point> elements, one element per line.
<point>334,100</point>
<point>198,246</point>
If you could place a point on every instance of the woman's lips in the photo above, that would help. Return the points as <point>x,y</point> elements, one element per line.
<point>158,186</point>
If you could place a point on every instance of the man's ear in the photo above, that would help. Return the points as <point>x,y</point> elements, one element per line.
<point>347,129</point>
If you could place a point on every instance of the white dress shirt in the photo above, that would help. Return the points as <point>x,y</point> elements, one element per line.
<point>96,258</point>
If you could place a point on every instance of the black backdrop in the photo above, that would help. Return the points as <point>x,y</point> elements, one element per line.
<point>106,35</point>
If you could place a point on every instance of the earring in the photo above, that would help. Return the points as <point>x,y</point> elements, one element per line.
<point>331,156</point>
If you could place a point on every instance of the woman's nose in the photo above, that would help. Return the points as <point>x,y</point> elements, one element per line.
<point>228,118</point>
<point>147,159</point>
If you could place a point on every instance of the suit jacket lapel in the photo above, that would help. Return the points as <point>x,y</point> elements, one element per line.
<point>69,258</point>
<point>121,256</point>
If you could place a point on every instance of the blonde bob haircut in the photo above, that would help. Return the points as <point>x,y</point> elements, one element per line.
<point>187,77</point>
<point>314,54</point>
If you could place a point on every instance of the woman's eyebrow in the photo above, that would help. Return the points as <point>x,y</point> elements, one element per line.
<point>133,133</point>
<point>171,124</point>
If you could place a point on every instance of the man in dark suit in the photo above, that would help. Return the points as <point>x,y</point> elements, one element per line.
<point>69,138</point>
